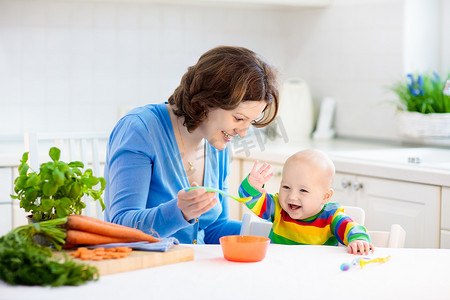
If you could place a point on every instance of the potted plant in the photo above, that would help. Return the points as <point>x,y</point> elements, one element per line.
<point>423,109</point>
<point>56,190</point>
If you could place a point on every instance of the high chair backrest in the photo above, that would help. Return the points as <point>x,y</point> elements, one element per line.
<point>78,146</point>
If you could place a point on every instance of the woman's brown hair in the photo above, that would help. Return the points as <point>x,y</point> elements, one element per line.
<point>223,78</point>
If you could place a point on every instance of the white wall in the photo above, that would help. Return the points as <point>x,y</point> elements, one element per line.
<point>71,65</point>
<point>351,51</point>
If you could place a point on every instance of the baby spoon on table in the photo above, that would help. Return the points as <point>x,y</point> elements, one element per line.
<point>362,261</point>
<point>225,194</point>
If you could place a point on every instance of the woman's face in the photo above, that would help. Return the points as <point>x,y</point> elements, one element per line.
<point>221,125</point>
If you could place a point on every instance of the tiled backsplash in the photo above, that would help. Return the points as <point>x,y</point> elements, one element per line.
<point>74,65</point>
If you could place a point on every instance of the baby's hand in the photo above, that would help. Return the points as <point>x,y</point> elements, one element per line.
<point>360,247</point>
<point>258,178</point>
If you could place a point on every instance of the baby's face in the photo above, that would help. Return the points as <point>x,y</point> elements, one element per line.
<point>303,190</point>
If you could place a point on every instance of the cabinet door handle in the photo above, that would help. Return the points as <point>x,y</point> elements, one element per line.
<point>345,184</point>
<point>357,186</point>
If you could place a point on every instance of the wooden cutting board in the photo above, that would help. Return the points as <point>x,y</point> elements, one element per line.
<point>139,260</point>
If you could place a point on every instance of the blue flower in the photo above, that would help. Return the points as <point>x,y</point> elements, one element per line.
<point>412,85</point>
<point>435,77</point>
<point>420,84</point>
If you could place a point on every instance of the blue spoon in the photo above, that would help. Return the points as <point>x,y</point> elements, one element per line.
<point>225,194</point>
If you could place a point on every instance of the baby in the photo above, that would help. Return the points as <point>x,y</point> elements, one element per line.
<point>300,212</point>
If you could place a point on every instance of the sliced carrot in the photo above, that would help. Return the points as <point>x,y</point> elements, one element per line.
<point>101,253</point>
<point>123,249</point>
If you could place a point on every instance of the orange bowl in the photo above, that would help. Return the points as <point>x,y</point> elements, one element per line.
<point>244,248</point>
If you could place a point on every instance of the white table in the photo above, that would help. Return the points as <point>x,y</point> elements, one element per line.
<point>287,272</point>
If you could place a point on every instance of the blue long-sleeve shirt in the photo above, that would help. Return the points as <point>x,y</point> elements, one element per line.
<point>144,173</point>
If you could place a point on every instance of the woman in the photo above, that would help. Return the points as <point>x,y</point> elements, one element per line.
<point>158,150</point>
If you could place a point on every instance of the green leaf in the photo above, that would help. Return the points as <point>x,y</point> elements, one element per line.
<point>54,153</point>
<point>31,194</point>
<point>76,164</point>
<point>103,183</point>
<point>75,190</point>
<point>47,204</point>
<point>90,181</point>
<point>58,177</point>
<point>32,180</point>
<point>23,169</point>
<point>24,157</point>
<point>77,171</point>
<point>20,181</point>
<point>49,188</point>
<point>63,207</point>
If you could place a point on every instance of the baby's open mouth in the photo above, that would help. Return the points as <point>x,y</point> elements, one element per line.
<point>294,207</point>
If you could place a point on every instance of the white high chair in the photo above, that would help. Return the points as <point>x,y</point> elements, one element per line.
<point>82,147</point>
<point>395,238</point>
<point>253,225</point>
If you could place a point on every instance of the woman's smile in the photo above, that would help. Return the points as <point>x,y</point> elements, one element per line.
<point>227,136</point>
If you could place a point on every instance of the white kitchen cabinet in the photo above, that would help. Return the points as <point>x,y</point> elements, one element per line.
<point>5,200</point>
<point>412,205</point>
<point>445,218</point>
<point>5,218</point>
<point>344,193</point>
<point>233,182</point>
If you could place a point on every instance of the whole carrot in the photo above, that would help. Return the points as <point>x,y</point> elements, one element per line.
<point>78,237</point>
<point>88,224</point>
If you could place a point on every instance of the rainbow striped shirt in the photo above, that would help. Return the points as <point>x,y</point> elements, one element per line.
<point>329,227</point>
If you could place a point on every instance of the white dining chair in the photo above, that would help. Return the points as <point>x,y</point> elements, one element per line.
<point>395,238</point>
<point>79,146</point>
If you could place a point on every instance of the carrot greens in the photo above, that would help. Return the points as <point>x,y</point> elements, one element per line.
<point>23,262</point>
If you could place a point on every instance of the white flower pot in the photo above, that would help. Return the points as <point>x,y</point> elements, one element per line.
<point>417,125</point>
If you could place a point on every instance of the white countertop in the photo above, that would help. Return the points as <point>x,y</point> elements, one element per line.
<point>287,272</point>
<point>340,151</point>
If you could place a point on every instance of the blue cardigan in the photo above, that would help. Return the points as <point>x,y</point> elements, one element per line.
<point>144,173</point>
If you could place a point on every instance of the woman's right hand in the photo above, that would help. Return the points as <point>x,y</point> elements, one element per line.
<point>195,202</point>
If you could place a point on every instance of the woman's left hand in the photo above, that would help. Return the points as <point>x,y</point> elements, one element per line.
<point>195,202</point>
